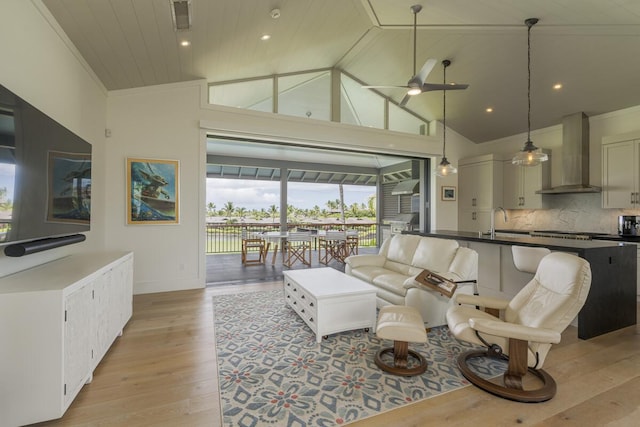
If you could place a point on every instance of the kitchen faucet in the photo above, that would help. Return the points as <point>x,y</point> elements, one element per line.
<point>492,230</point>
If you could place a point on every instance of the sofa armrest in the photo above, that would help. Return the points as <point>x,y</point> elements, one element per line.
<point>356,261</point>
<point>465,264</point>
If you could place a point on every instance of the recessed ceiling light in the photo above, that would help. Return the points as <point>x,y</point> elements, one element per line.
<point>185,43</point>
<point>557,86</point>
<point>265,37</point>
<point>489,110</point>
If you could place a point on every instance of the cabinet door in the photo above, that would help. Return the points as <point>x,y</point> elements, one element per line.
<point>101,302</point>
<point>619,175</point>
<point>520,186</point>
<point>476,186</point>
<point>512,186</point>
<point>77,341</point>
<point>531,181</point>
<point>474,221</point>
<point>467,187</point>
<point>467,221</point>
<point>124,274</point>
<point>484,185</point>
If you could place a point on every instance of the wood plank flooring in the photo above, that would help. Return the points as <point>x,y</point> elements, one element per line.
<point>163,372</point>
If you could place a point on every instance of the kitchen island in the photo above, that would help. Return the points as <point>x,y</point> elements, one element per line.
<point>611,303</point>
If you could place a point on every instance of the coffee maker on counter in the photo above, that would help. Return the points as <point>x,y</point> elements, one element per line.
<point>628,225</point>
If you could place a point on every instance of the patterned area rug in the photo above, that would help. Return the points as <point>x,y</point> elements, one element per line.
<point>273,373</point>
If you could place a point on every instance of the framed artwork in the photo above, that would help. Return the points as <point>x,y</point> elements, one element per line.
<point>152,191</point>
<point>69,187</point>
<point>449,193</point>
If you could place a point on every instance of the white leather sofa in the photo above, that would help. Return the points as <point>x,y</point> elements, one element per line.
<point>401,258</point>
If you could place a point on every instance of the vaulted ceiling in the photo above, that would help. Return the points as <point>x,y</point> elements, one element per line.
<point>591,47</point>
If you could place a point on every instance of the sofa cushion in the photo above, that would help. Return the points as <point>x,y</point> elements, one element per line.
<point>434,254</point>
<point>397,267</point>
<point>392,282</point>
<point>401,248</point>
<point>368,272</point>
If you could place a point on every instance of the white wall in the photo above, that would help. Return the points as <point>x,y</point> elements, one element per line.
<point>41,66</point>
<point>158,123</point>
<point>445,214</point>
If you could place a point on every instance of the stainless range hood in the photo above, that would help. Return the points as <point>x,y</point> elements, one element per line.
<point>409,186</point>
<point>575,157</point>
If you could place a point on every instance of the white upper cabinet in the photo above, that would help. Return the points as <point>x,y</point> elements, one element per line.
<point>620,171</point>
<point>521,183</point>
<point>480,190</point>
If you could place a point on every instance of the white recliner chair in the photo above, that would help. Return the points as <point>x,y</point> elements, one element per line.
<point>529,324</point>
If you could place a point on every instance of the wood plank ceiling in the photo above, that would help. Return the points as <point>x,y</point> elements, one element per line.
<point>590,46</point>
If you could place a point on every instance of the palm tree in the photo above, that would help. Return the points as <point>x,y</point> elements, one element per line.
<point>241,212</point>
<point>211,209</point>
<point>371,203</point>
<point>228,209</point>
<point>332,205</point>
<point>273,212</point>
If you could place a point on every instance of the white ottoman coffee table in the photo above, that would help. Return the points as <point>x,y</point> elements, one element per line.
<point>329,301</point>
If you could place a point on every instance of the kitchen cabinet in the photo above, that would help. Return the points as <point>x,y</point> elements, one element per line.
<point>58,321</point>
<point>621,171</point>
<point>521,183</point>
<point>480,190</point>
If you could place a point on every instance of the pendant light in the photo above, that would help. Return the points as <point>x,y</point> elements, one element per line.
<point>530,154</point>
<point>445,168</point>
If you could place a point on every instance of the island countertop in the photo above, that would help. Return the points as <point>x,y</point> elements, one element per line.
<point>557,244</point>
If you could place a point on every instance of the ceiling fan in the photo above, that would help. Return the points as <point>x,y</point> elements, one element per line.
<point>416,85</point>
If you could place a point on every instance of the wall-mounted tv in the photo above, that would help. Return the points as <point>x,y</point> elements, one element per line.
<point>45,175</point>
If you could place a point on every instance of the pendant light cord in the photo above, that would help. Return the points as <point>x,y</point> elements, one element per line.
<point>444,112</point>
<point>530,23</point>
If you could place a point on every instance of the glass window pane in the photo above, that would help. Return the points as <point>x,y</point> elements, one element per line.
<point>305,95</point>
<point>402,121</point>
<point>251,95</point>
<point>359,106</point>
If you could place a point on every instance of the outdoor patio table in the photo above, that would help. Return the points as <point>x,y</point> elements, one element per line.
<point>276,237</point>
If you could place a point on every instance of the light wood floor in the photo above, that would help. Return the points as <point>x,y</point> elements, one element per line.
<point>162,372</point>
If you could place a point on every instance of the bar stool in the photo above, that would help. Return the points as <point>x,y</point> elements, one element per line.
<point>526,259</point>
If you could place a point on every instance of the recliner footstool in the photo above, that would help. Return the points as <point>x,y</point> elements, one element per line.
<point>402,324</point>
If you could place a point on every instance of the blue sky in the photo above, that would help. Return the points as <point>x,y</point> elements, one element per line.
<point>262,194</point>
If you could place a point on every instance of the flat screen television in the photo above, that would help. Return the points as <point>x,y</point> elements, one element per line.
<point>45,175</point>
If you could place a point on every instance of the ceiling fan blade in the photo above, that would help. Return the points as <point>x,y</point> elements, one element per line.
<point>405,100</point>
<point>425,70</point>
<point>428,87</point>
<point>384,87</point>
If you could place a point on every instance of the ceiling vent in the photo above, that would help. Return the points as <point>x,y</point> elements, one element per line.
<point>181,14</point>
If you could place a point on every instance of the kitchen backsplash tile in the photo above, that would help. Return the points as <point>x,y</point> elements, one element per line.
<point>567,212</point>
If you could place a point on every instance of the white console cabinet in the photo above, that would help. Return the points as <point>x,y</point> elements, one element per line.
<point>57,321</point>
